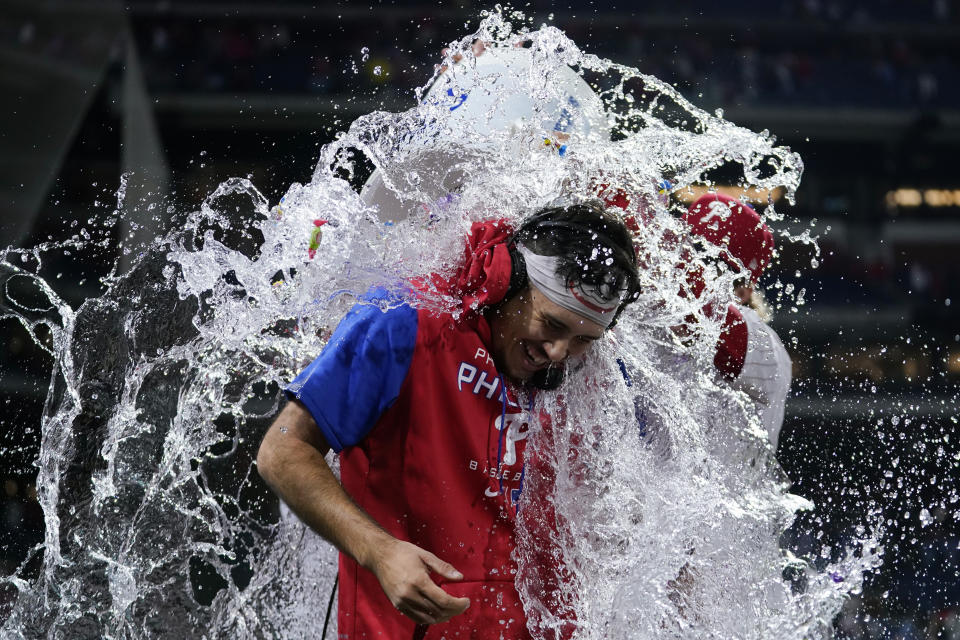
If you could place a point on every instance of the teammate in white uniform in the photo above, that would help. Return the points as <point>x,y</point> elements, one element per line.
<point>756,361</point>
<point>766,373</point>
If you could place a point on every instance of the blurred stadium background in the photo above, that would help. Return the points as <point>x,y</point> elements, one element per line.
<point>186,94</point>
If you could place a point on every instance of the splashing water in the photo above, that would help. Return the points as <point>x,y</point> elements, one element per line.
<point>162,387</point>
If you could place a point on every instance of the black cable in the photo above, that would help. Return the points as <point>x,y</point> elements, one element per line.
<point>326,620</point>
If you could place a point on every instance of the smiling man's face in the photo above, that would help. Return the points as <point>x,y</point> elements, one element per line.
<point>530,333</point>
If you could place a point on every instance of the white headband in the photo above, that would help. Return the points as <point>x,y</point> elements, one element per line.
<point>587,302</point>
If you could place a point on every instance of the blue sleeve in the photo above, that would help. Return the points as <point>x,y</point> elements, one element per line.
<point>359,373</point>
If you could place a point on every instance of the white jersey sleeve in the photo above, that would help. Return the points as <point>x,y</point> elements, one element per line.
<point>766,373</point>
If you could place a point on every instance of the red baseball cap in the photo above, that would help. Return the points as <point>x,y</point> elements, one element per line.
<point>734,226</point>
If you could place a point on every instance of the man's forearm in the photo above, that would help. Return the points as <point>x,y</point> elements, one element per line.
<point>297,472</point>
<point>291,461</point>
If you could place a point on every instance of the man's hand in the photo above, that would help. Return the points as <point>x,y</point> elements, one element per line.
<point>291,461</point>
<point>403,570</point>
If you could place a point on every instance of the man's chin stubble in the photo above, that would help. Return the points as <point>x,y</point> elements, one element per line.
<point>547,379</point>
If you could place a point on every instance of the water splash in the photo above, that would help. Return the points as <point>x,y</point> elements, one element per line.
<point>155,524</point>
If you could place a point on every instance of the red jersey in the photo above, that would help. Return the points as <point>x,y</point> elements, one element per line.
<point>435,457</point>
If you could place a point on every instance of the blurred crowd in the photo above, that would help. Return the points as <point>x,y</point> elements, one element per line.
<point>854,624</point>
<point>796,59</point>
<point>800,53</point>
<point>869,305</point>
<point>917,595</point>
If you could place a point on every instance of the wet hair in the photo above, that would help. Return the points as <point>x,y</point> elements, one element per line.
<point>593,246</point>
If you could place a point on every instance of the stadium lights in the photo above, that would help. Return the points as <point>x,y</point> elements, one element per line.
<point>953,363</point>
<point>688,195</point>
<point>929,197</point>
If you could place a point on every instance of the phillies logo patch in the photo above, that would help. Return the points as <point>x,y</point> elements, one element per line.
<point>517,430</point>
<point>512,429</point>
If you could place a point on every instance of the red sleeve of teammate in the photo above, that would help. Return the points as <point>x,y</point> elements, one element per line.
<point>732,345</point>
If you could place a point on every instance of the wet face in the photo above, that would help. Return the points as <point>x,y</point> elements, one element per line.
<point>743,294</point>
<point>531,333</point>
